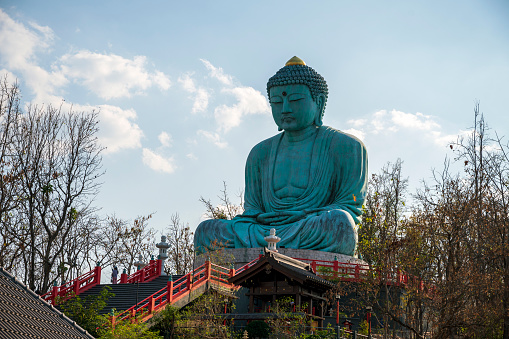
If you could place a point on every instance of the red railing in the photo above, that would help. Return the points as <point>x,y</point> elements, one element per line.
<point>176,290</point>
<point>147,273</point>
<point>219,275</point>
<point>74,287</point>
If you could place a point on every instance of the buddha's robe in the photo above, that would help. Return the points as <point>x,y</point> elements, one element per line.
<point>332,200</point>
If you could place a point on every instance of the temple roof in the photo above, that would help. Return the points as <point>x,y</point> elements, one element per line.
<point>296,270</point>
<point>24,314</point>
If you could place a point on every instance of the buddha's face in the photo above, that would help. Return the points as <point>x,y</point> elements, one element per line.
<point>293,107</point>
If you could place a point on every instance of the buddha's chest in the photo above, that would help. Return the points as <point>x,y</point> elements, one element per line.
<point>291,169</point>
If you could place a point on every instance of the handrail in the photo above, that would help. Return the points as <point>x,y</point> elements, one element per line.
<point>147,273</point>
<point>74,287</point>
<point>175,290</point>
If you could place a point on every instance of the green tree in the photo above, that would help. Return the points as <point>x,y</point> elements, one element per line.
<point>85,312</point>
<point>127,330</point>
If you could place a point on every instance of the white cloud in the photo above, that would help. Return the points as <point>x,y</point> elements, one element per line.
<point>187,82</point>
<point>191,156</point>
<point>417,121</point>
<point>355,132</point>
<point>201,101</point>
<point>201,95</point>
<point>157,162</point>
<point>215,138</point>
<point>383,122</point>
<point>117,129</point>
<point>18,47</point>
<point>10,77</point>
<point>218,73</point>
<point>165,139</point>
<point>249,101</point>
<point>111,76</point>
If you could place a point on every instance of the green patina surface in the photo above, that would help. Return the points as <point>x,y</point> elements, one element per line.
<point>308,182</point>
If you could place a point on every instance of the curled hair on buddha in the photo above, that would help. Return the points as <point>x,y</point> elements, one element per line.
<point>296,71</point>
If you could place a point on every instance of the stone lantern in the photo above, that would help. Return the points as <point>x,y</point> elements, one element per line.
<point>163,246</point>
<point>140,264</point>
<point>272,240</point>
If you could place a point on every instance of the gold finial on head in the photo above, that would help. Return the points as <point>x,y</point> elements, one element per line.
<point>295,61</point>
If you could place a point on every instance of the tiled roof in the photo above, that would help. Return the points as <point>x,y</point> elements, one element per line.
<point>23,314</point>
<point>290,267</point>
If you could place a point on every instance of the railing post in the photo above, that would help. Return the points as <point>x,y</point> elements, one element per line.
<point>169,289</point>
<point>76,287</point>
<point>112,319</point>
<point>133,315</point>
<point>208,269</point>
<point>357,273</point>
<point>97,273</point>
<point>336,266</point>
<point>159,268</point>
<point>232,271</point>
<point>123,277</point>
<point>313,266</point>
<point>54,293</point>
<point>188,280</point>
<point>151,305</point>
<point>142,275</point>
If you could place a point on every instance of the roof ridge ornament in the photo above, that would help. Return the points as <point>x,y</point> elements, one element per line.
<point>295,61</point>
<point>272,240</point>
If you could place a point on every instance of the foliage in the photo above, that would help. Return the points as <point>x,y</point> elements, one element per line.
<point>451,245</point>
<point>258,328</point>
<point>285,323</point>
<point>165,321</point>
<point>127,330</point>
<point>202,319</point>
<point>85,312</point>
<point>327,333</point>
<point>363,327</point>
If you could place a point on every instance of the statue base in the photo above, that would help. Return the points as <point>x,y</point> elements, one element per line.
<point>241,256</point>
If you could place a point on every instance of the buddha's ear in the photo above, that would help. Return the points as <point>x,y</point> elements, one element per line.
<point>320,101</point>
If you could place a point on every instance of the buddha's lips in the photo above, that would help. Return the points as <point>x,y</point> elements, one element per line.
<point>287,119</point>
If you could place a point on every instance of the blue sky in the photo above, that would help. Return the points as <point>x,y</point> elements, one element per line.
<point>181,85</point>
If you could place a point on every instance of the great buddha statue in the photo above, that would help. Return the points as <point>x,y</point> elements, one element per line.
<point>308,182</point>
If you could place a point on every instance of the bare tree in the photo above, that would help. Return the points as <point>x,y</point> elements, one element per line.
<point>181,250</point>
<point>60,161</point>
<point>226,209</point>
<point>10,174</point>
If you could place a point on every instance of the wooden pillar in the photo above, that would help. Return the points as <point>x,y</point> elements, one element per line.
<point>298,299</point>
<point>251,299</point>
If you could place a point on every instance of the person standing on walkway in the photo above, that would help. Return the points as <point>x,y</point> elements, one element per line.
<point>114,275</point>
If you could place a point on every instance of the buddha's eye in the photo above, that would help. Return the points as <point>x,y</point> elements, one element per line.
<point>276,100</point>
<point>296,97</point>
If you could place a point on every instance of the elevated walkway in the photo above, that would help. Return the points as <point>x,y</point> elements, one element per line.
<point>127,295</point>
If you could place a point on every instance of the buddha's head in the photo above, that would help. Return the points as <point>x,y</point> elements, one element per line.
<point>300,86</point>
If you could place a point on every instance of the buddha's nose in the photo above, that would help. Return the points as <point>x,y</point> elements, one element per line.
<point>286,107</point>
